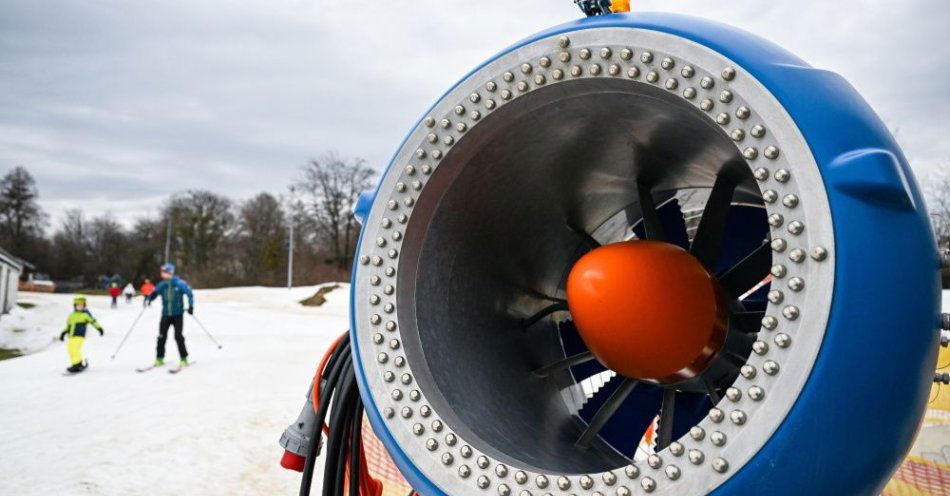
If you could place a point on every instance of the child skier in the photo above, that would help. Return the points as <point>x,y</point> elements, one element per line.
<point>128,291</point>
<point>76,330</point>
<point>172,290</point>
<point>146,290</point>
<point>114,292</point>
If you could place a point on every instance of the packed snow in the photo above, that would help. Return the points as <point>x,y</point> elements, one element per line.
<point>210,430</point>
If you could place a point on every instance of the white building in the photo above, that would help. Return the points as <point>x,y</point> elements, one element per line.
<point>10,269</point>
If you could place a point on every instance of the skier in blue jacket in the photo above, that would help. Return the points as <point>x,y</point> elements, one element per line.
<point>172,289</point>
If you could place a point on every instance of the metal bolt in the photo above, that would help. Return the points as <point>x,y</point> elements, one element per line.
<point>718,438</point>
<point>586,482</point>
<point>747,371</point>
<point>676,448</point>
<point>738,417</point>
<point>541,481</point>
<point>756,393</point>
<point>696,432</point>
<point>632,471</point>
<point>673,472</point>
<point>648,484</point>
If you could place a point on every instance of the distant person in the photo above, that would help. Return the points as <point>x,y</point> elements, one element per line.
<point>172,289</point>
<point>114,292</point>
<point>76,330</point>
<point>128,291</point>
<point>146,289</point>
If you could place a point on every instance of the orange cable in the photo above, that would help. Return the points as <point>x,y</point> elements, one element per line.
<point>319,374</point>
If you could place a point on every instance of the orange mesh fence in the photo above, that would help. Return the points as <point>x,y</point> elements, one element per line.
<point>381,467</point>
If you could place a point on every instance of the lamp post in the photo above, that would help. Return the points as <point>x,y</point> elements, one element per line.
<point>290,248</point>
<point>168,239</point>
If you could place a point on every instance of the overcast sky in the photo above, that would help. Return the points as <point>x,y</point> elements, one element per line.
<point>114,105</point>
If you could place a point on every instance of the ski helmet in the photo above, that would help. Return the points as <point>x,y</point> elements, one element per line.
<point>79,299</point>
<point>168,267</point>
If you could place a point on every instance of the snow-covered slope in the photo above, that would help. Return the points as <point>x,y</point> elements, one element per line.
<point>208,431</point>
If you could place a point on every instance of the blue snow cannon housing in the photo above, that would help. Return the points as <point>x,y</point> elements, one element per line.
<point>579,136</point>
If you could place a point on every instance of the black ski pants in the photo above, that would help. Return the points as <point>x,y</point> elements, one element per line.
<point>176,321</point>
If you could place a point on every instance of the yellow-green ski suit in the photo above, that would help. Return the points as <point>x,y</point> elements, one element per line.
<point>76,330</point>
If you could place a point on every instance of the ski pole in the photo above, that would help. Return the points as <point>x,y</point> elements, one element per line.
<point>128,333</point>
<point>215,341</point>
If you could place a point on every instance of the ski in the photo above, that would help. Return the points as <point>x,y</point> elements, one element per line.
<point>146,369</point>
<point>180,368</point>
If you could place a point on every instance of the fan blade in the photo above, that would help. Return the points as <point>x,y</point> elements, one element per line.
<point>671,219</point>
<point>690,410</point>
<point>651,220</point>
<point>664,431</point>
<point>584,235</point>
<point>746,227</point>
<point>564,364</point>
<point>711,391</point>
<point>746,322</point>
<point>708,240</point>
<point>544,312</point>
<point>573,344</point>
<point>626,428</point>
<point>605,412</point>
<point>749,272</point>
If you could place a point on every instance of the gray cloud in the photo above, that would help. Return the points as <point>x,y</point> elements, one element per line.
<point>115,105</point>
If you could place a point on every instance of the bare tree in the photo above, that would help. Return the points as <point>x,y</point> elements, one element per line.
<point>262,239</point>
<point>21,219</point>
<point>329,189</point>
<point>202,224</point>
<point>936,187</point>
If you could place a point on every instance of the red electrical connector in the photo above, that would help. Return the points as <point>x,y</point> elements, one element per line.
<point>299,434</point>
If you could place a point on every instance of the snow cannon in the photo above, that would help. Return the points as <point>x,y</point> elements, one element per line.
<point>646,254</point>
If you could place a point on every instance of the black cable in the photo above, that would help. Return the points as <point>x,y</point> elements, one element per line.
<point>313,449</point>
<point>332,397</point>
<point>340,358</point>
<point>356,446</point>
<point>335,466</point>
<point>344,343</point>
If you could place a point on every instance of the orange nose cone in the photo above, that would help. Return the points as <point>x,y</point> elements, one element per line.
<point>646,309</point>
